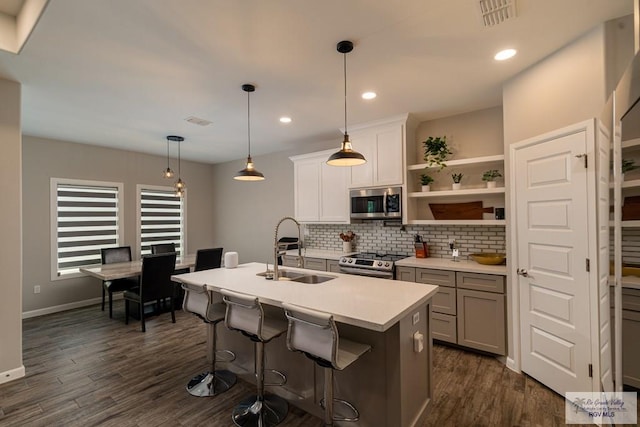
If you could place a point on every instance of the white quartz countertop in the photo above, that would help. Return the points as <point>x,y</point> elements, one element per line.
<point>366,302</point>
<point>448,264</point>
<point>320,253</point>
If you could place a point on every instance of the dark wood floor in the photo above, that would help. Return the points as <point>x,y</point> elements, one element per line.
<point>84,369</point>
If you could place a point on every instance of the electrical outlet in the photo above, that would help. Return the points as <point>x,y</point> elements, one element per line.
<point>416,318</point>
<point>36,289</point>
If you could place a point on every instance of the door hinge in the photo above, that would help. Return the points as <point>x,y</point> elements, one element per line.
<point>588,265</point>
<point>590,370</point>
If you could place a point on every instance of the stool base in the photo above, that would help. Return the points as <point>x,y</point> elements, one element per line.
<point>272,409</point>
<point>211,384</point>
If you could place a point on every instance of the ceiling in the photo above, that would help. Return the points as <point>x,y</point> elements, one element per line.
<point>126,74</point>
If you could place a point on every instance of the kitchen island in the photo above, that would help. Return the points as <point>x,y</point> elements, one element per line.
<point>391,385</point>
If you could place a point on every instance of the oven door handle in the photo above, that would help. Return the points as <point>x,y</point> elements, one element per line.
<point>366,272</point>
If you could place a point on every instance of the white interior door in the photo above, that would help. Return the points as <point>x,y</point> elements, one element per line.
<point>552,249</point>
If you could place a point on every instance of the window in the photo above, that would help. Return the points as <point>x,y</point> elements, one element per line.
<point>86,216</point>
<point>161,218</point>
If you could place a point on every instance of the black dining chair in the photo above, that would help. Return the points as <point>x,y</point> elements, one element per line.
<point>155,285</point>
<point>163,248</point>
<point>206,259</point>
<point>113,256</point>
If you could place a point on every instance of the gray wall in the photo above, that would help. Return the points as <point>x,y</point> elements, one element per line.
<point>10,230</point>
<point>46,158</point>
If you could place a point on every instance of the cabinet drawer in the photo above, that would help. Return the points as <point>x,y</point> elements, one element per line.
<point>481,321</point>
<point>436,277</point>
<point>443,327</point>
<point>480,282</point>
<point>444,301</point>
<point>332,266</point>
<point>315,264</point>
<point>408,274</point>
<point>631,299</point>
<point>289,261</point>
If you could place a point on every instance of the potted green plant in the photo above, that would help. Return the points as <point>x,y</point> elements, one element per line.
<point>457,177</point>
<point>490,177</point>
<point>628,165</point>
<point>436,151</point>
<point>426,181</point>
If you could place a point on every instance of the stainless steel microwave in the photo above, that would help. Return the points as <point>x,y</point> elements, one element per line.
<point>376,203</point>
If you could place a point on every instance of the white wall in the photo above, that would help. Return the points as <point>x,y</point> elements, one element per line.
<point>10,230</point>
<point>46,158</point>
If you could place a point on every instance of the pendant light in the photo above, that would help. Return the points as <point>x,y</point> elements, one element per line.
<point>249,173</point>
<point>346,156</point>
<point>168,173</point>
<point>180,186</point>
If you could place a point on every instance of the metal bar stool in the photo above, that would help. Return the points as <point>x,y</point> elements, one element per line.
<point>315,334</point>
<point>245,314</point>
<point>209,307</point>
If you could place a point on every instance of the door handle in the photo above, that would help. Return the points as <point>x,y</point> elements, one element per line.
<point>522,272</point>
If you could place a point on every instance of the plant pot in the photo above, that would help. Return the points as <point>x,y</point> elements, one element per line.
<point>426,188</point>
<point>455,186</point>
<point>346,247</point>
<point>491,184</point>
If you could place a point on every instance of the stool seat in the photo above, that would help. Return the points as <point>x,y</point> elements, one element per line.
<point>315,334</point>
<point>245,314</point>
<point>209,307</point>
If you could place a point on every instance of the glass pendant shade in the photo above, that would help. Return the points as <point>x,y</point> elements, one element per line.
<point>168,173</point>
<point>346,156</point>
<point>249,173</point>
<point>179,185</point>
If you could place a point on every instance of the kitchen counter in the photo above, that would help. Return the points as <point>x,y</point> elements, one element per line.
<point>448,264</point>
<point>391,385</point>
<point>628,282</point>
<point>320,253</point>
<point>365,302</point>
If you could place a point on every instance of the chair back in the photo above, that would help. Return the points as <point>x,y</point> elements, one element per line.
<point>115,255</point>
<point>200,301</point>
<point>155,279</point>
<point>312,332</point>
<point>163,248</point>
<point>206,259</point>
<point>244,313</point>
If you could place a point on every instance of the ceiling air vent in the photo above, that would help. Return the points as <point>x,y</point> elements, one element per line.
<point>494,12</point>
<point>197,121</point>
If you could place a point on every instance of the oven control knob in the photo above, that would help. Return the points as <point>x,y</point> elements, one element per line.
<point>379,263</point>
<point>386,264</point>
<point>350,260</point>
<point>343,259</point>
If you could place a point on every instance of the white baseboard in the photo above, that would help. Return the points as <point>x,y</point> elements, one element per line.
<point>511,364</point>
<point>65,307</point>
<point>11,375</point>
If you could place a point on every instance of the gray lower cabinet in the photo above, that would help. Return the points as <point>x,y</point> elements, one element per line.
<point>319,264</point>
<point>333,266</point>
<point>290,261</point>
<point>468,309</point>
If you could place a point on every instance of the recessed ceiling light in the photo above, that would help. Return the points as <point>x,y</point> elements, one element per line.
<point>369,95</point>
<point>505,54</point>
<point>285,119</point>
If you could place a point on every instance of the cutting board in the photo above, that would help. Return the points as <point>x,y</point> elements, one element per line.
<point>468,210</point>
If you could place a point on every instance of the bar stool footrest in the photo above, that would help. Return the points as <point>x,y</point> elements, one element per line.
<point>282,377</point>
<point>230,356</point>
<point>353,417</point>
<point>211,384</point>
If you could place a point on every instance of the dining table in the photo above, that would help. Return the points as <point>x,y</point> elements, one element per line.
<point>121,270</point>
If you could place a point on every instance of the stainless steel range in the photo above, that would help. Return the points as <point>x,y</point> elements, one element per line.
<point>370,264</point>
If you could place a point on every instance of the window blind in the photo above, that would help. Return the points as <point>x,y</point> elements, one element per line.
<point>161,219</point>
<point>87,220</point>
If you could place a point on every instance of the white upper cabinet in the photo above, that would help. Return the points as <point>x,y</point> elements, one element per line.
<point>321,192</point>
<point>383,145</point>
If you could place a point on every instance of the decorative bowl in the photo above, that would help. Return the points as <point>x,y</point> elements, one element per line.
<point>489,258</point>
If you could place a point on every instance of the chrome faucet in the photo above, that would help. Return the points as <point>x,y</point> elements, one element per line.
<point>279,250</point>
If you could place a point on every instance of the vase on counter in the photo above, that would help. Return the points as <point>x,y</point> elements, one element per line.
<point>346,247</point>
<point>426,188</point>
<point>455,186</point>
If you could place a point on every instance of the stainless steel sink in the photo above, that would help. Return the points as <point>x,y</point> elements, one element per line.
<point>296,276</point>
<point>313,279</point>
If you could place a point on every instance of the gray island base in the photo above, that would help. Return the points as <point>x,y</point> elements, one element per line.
<point>391,385</point>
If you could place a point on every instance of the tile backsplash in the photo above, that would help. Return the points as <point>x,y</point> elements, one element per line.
<point>374,237</point>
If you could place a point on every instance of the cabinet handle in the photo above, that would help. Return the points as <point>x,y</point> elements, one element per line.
<point>522,272</point>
